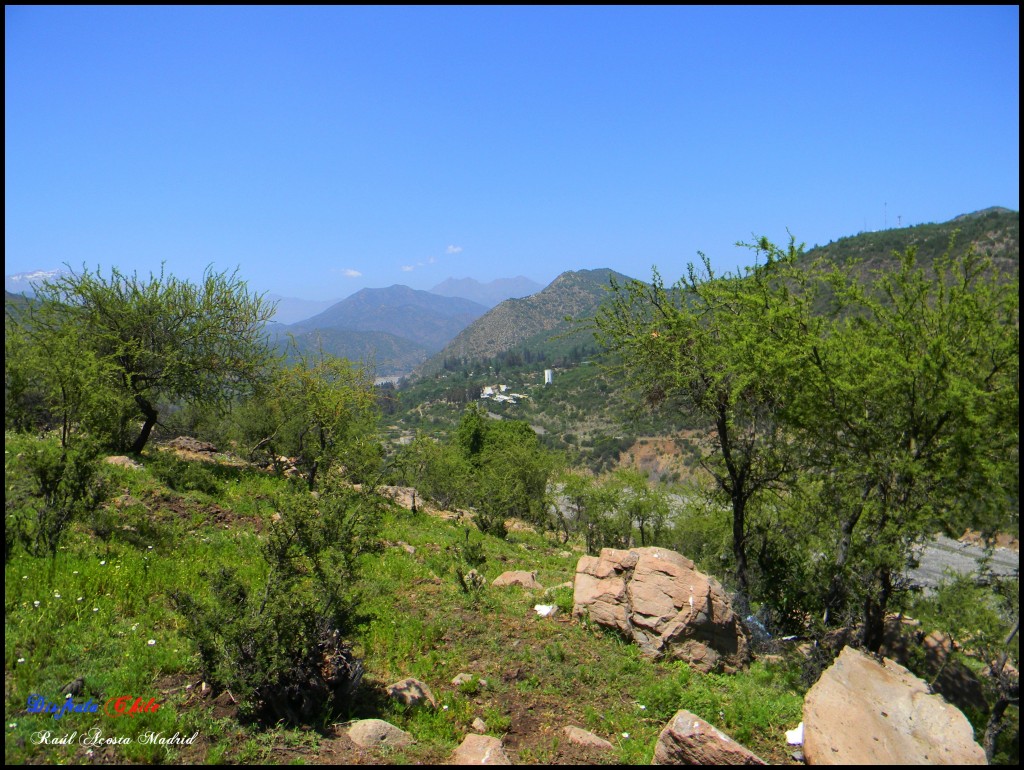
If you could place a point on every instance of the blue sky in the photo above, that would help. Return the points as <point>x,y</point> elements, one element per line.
<point>323,150</point>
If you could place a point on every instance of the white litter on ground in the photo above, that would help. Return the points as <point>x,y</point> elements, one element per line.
<point>795,737</point>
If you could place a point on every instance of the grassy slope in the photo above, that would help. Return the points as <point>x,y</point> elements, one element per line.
<point>104,598</point>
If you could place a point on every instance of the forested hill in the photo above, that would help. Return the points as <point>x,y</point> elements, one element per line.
<point>994,232</point>
<point>534,319</point>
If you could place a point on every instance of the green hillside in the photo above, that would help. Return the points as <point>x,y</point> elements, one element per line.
<point>381,353</point>
<point>536,322</point>
<point>994,232</point>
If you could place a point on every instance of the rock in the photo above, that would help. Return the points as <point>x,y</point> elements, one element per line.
<point>462,678</point>
<point>376,733</point>
<point>123,461</point>
<point>517,578</point>
<point>479,725</point>
<point>864,712</point>
<point>658,599</point>
<point>74,688</point>
<point>189,444</point>
<point>586,738</point>
<point>480,750</point>
<point>689,740</point>
<point>412,692</point>
<point>406,497</point>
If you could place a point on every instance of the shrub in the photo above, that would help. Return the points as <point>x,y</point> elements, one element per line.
<point>184,476</point>
<point>279,644</point>
<point>61,485</point>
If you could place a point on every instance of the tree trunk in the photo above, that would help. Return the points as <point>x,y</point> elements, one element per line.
<point>874,612</point>
<point>151,414</point>
<point>739,550</point>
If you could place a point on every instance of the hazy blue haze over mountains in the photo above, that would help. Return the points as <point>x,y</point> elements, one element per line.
<point>292,310</point>
<point>489,294</point>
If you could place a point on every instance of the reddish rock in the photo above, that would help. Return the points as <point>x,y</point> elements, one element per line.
<point>412,692</point>
<point>689,740</point>
<point>865,712</point>
<point>585,738</point>
<point>657,598</point>
<point>480,750</point>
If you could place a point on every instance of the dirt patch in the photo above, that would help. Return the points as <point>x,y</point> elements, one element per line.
<point>664,457</point>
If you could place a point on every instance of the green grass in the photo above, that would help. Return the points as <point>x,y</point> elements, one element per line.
<point>102,599</point>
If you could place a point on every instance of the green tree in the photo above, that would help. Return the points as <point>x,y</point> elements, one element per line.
<point>322,411</point>
<point>153,341</point>
<point>589,506</point>
<point>714,347</point>
<point>645,507</point>
<point>437,470</point>
<point>907,413</point>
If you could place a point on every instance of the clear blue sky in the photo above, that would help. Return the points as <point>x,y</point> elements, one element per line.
<point>322,150</point>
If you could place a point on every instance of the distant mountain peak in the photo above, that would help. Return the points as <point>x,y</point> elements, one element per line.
<point>487,294</point>
<point>22,283</point>
<point>412,314</point>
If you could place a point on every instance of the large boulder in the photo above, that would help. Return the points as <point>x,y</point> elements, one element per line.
<point>689,740</point>
<point>865,712</point>
<point>657,598</point>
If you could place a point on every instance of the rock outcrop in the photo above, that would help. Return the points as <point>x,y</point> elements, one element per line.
<point>689,740</point>
<point>657,598</point>
<point>865,712</point>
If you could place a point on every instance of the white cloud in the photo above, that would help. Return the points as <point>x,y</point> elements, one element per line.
<point>348,272</point>
<point>453,249</point>
<point>432,260</point>
<point>407,268</point>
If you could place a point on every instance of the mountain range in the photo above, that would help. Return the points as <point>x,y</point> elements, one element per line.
<point>427,319</point>
<point>399,329</point>
<point>535,321</point>
<point>489,294</point>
